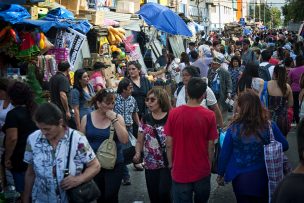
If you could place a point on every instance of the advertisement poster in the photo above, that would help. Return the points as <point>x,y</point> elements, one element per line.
<point>72,40</point>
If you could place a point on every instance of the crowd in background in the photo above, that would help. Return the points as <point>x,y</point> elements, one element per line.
<point>251,87</point>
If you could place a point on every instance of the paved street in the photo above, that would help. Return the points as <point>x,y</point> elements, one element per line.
<point>138,192</point>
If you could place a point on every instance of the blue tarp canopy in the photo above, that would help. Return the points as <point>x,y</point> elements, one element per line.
<point>58,18</point>
<point>164,19</point>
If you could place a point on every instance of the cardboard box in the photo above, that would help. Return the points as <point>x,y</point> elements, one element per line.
<point>93,16</point>
<point>136,5</point>
<point>125,7</point>
<point>71,5</point>
<point>37,12</point>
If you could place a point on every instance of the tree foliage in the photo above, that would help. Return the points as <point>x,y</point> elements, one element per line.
<point>293,11</point>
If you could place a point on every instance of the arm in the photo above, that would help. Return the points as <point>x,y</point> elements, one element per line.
<point>219,119</point>
<point>119,126</point>
<point>135,118</point>
<point>65,104</point>
<point>29,182</point>
<point>290,96</point>
<point>83,125</point>
<point>77,116</point>
<point>278,136</point>
<point>225,153</point>
<point>10,144</point>
<point>169,143</point>
<point>139,147</point>
<point>92,169</point>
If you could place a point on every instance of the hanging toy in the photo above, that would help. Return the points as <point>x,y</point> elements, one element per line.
<point>3,32</point>
<point>13,35</point>
<point>42,41</point>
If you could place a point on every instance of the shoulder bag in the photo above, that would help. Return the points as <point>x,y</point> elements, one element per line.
<point>274,159</point>
<point>107,151</point>
<point>84,193</point>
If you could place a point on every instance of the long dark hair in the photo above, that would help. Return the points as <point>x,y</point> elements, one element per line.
<point>250,71</point>
<point>77,77</point>
<point>185,59</point>
<point>251,115</point>
<point>280,74</point>
<point>21,94</point>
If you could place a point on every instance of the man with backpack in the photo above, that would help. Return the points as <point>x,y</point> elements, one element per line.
<point>266,69</point>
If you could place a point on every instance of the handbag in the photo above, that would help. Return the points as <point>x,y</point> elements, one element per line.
<point>107,151</point>
<point>129,149</point>
<point>274,158</point>
<point>216,155</point>
<point>84,193</point>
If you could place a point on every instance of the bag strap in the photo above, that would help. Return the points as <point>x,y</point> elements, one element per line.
<point>69,153</point>
<point>111,137</point>
<point>271,132</point>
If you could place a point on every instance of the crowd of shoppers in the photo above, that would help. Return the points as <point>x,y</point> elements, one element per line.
<point>176,135</point>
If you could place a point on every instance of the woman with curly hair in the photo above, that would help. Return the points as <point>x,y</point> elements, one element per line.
<point>18,126</point>
<point>242,155</point>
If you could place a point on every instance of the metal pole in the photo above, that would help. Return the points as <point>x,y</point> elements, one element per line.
<point>264,13</point>
<point>254,10</point>
<point>260,11</point>
<point>220,17</point>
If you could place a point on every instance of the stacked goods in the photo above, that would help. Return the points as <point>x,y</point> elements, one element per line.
<point>116,35</point>
<point>233,29</point>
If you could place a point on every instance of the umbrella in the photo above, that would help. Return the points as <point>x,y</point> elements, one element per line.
<point>164,19</point>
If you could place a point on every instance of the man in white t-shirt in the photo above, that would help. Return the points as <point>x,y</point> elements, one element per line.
<point>209,102</point>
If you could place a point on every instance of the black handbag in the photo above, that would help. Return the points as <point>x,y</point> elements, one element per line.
<point>84,193</point>
<point>214,163</point>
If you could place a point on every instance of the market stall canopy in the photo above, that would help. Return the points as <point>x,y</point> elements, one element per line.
<point>58,18</point>
<point>164,19</point>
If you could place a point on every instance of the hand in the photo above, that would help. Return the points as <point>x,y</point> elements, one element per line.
<point>136,157</point>
<point>8,164</point>
<point>68,115</point>
<point>70,182</point>
<point>111,114</point>
<point>220,181</point>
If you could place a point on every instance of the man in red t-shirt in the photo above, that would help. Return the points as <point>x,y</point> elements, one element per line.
<point>191,131</point>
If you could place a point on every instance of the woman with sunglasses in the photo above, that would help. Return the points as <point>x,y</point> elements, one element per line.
<point>96,126</point>
<point>141,86</point>
<point>151,140</point>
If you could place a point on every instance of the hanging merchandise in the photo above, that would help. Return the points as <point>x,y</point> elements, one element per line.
<point>104,46</point>
<point>34,84</point>
<point>28,48</point>
<point>47,65</point>
<point>8,41</point>
<point>131,48</point>
<point>116,35</point>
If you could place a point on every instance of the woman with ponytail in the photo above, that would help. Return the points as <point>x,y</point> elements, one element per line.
<point>279,98</point>
<point>18,126</point>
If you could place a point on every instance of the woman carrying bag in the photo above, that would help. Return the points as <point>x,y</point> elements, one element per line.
<point>47,149</point>
<point>241,158</point>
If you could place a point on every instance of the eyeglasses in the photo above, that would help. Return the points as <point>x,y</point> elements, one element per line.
<point>152,99</point>
<point>109,90</point>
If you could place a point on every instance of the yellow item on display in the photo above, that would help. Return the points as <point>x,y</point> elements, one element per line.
<point>71,74</point>
<point>41,42</point>
<point>116,35</point>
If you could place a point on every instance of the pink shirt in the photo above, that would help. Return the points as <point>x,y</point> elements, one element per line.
<point>97,80</point>
<point>294,77</point>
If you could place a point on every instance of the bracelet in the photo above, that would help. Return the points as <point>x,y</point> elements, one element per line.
<point>114,120</point>
<point>116,116</point>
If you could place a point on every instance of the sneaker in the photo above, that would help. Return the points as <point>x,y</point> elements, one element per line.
<point>126,181</point>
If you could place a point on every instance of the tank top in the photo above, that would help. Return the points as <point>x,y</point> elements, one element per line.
<point>96,136</point>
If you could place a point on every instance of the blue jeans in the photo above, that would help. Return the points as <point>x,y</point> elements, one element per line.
<point>183,192</point>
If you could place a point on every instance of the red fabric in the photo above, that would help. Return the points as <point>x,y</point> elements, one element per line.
<point>190,128</point>
<point>290,117</point>
<point>274,61</point>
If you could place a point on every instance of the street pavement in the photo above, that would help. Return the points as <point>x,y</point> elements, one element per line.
<point>137,191</point>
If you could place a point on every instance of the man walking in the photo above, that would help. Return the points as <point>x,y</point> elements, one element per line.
<point>191,131</point>
<point>60,89</point>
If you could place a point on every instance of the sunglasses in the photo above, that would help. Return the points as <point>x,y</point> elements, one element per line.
<point>152,99</point>
<point>109,90</point>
